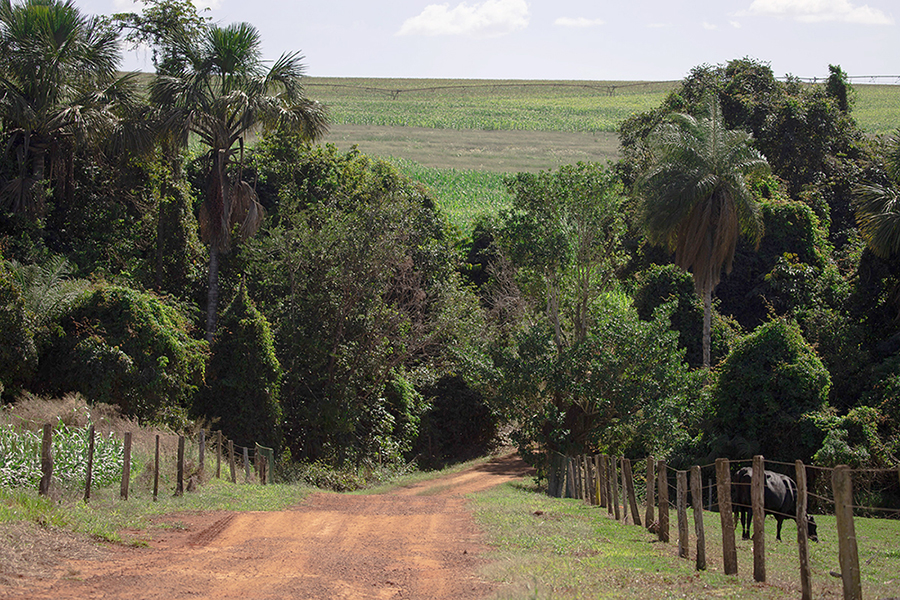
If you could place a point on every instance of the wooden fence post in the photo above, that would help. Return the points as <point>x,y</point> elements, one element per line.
<point>757,503</point>
<point>552,474</point>
<point>842,486</point>
<point>592,479</point>
<point>202,458</point>
<point>601,481</point>
<point>231,461</point>
<point>651,491</point>
<point>570,478</point>
<point>802,532</point>
<point>662,490</point>
<point>629,489</point>
<point>681,506</point>
<point>179,481</point>
<point>156,470</point>
<point>624,490</point>
<point>723,489</point>
<point>598,481</point>
<point>126,468</point>
<point>46,461</point>
<point>579,477</point>
<point>88,476</point>
<point>246,465</point>
<point>219,454</point>
<point>609,485</point>
<point>697,502</point>
<point>614,481</point>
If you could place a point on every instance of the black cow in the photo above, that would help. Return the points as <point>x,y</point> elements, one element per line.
<point>780,496</point>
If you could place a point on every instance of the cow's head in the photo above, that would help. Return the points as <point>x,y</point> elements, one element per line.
<point>812,528</point>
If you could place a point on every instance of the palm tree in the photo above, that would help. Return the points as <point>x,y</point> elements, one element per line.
<point>878,206</point>
<point>59,87</point>
<point>218,89</point>
<point>696,198</point>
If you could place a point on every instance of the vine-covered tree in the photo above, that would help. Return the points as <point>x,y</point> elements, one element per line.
<point>696,198</point>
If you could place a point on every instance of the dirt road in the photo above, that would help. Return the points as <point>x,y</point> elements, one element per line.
<point>417,542</point>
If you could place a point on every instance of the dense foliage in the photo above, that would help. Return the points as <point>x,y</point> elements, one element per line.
<point>125,347</point>
<point>243,378</point>
<point>360,328</point>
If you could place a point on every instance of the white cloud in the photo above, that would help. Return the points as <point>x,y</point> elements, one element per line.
<point>577,22</point>
<point>485,19</point>
<point>735,24</point>
<point>709,26</point>
<point>814,11</point>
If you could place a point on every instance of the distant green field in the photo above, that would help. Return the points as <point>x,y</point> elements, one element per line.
<point>877,108</point>
<point>565,106</point>
<point>584,106</point>
<point>462,194</point>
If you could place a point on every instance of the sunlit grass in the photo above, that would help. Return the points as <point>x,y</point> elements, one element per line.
<point>462,195</point>
<point>106,515</point>
<point>555,548</point>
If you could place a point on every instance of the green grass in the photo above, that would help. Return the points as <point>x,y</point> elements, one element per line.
<point>877,108</point>
<point>106,515</point>
<point>563,549</point>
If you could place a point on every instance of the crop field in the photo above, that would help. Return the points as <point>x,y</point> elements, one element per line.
<point>587,106</point>
<point>877,108</point>
<point>447,133</point>
<point>566,106</point>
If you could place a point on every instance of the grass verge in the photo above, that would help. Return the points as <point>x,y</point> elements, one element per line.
<point>106,516</point>
<point>564,549</point>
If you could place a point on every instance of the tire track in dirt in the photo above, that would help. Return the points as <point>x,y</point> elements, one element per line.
<point>416,542</point>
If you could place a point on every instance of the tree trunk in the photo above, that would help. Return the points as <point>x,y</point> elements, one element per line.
<point>212,298</point>
<point>707,325</point>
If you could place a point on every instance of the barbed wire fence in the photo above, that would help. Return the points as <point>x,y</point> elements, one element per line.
<point>258,462</point>
<point>599,479</point>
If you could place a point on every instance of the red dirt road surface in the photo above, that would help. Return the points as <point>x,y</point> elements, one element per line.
<point>417,542</point>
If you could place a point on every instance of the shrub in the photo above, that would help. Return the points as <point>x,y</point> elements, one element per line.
<point>244,377</point>
<point>771,378</point>
<point>121,346</point>
<point>661,284</point>
<point>18,354</point>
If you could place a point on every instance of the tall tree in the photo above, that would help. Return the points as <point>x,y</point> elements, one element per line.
<point>58,87</point>
<point>877,205</point>
<point>696,198</point>
<point>220,91</point>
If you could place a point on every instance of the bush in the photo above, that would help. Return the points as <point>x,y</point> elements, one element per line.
<point>243,379</point>
<point>771,379</point>
<point>125,347</point>
<point>18,354</point>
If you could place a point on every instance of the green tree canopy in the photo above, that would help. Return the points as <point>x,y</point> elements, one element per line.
<point>771,379</point>
<point>243,379</point>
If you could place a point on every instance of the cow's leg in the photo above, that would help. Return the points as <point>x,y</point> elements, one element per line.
<point>779,520</point>
<point>746,532</point>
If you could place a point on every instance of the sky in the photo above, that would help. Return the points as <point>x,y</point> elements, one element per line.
<point>631,40</point>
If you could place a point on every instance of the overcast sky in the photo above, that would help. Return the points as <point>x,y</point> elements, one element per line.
<point>562,39</point>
